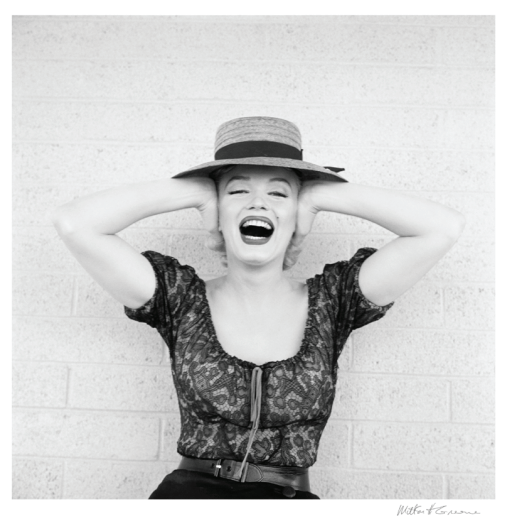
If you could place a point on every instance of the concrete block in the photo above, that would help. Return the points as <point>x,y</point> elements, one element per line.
<point>371,127</point>
<point>419,86</point>
<point>36,478</point>
<point>352,43</point>
<point>477,208</point>
<point>103,165</point>
<point>469,307</point>
<point>420,307</point>
<point>86,121</point>
<point>197,121</point>
<point>473,46</point>
<point>468,261</point>
<point>469,129</point>
<point>142,239</point>
<point>76,434</point>
<point>423,447</point>
<point>335,223</point>
<point>86,479</point>
<point>33,205</point>
<point>153,80</point>
<point>170,438</point>
<point>318,250</point>
<point>419,20</point>
<point>330,483</point>
<point>472,400</point>
<point>40,249</point>
<point>137,37</point>
<point>39,385</point>
<point>471,486</point>
<point>386,398</point>
<point>315,83</point>
<point>411,170</point>
<point>429,352</point>
<point>372,241</point>
<point>94,301</point>
<point>136,388</point>
<point>77,340</point>
<point>189,248</point>
<point>42,294</point>
<point>333,448</point>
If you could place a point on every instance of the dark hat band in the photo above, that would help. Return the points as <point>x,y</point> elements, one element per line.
<point>256,149</point>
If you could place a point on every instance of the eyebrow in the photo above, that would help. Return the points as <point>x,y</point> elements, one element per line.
<point>274,179</point>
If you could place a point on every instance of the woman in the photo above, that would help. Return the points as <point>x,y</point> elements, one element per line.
<point>254,353</point>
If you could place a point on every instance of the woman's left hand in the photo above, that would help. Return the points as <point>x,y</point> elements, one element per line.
<point>307,211</point>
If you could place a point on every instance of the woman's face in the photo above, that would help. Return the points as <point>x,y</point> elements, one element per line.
<point>257,210</point>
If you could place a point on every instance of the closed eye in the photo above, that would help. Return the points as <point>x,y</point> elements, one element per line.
<point>233,192</point>
<point>278,194</point>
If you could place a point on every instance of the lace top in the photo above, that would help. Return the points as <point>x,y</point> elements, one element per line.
<point>214,387</point>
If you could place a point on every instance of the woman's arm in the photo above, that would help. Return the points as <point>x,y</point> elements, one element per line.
<point>88,227</point>
<point>426,230</point>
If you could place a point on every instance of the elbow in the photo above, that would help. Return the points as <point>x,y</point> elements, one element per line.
<point>450,229</point>
<point>456,227</point>
<point>62,221</point>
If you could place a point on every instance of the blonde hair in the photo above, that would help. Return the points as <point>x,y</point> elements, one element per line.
<point>292,251</point>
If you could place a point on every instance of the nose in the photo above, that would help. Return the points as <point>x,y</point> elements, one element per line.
<point>257,202</point>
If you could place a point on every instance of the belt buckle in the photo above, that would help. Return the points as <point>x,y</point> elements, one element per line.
<point>217,467</point>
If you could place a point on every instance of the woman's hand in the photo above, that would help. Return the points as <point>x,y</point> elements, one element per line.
<point>307,210</point>
<point>208,208</point>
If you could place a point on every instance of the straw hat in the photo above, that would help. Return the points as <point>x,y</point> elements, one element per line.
<point>261,141</point>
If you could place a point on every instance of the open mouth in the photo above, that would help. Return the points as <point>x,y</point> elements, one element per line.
<point>256,230</point>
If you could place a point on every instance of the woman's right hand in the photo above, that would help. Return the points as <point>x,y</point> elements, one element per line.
<point>208,208</point>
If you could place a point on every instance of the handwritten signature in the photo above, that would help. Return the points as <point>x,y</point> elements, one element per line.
<point>438,510</point>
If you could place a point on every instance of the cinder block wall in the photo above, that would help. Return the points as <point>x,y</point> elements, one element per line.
<point>402,102</point>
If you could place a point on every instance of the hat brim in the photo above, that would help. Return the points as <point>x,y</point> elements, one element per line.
<point>308,171</point>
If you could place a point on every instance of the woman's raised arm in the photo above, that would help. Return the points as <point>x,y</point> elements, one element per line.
<point>88,226</point>
<point>426,230</point>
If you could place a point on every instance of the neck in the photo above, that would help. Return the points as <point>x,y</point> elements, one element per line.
<point>257,282</point>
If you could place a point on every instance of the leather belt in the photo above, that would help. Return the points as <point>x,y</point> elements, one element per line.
<point>294,477</point>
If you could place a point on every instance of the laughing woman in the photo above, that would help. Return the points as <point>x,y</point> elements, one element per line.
<point>254,353</point>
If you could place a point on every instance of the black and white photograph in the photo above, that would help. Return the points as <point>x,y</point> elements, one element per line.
<point>254,258</point>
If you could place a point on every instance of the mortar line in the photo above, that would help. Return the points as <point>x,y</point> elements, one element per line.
<point>265,20</point>
<point>215,102</point>
<point>253,61</point>
<point>450,400</point>
<point>173,143</point>
<point>351,441</point>
<point>174,461</point>
<point>446,487</point>
<point>74,296</point>
<point>63,478</point>
<point>68,385</point>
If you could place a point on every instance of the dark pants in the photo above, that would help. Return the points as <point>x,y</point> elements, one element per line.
<point>184,484</point>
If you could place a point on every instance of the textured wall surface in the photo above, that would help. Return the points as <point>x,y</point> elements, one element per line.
<point>402,102</point>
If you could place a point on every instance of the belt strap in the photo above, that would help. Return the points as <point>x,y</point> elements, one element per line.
<point>294,477</point>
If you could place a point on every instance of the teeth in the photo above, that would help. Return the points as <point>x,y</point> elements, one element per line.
<point>254,237</point>
<point>255,222</point>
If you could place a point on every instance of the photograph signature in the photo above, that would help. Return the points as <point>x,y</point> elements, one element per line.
<point>434,509</point>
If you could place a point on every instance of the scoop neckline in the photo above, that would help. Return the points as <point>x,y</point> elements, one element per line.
<point>268,364</point>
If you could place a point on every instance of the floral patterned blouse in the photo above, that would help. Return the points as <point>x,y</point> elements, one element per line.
<point>214,387</point>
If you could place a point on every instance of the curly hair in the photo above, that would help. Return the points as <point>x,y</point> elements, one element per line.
<point>292,251</point>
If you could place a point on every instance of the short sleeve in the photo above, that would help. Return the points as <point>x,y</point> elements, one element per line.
<point>353,309</point>
<point>171,286</point>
